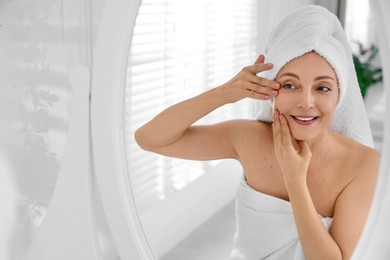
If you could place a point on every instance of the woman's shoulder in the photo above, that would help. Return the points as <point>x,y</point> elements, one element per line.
<point>250,135</point>
<point>357,149</point>
<point>249,126</point>
<point>361,158</point>
<point>252,129</point>
<point>250,122</point>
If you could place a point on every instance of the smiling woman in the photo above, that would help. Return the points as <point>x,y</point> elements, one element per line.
<point>250,142</point>
<point>304,85</point>
<point>298,167</point>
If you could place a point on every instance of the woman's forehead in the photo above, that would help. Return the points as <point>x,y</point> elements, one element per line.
<point>308,65</point>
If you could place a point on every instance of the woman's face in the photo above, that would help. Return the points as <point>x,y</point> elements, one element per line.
<point>308,95</point>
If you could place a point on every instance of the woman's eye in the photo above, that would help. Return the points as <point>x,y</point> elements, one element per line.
<point>324,89</point>
<point>288,86</point>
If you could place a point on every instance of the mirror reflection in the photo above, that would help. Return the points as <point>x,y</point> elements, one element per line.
<point>34,101</point>
<point>279,167</point>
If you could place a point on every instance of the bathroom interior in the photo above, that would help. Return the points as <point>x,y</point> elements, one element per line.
<point>78,77</point>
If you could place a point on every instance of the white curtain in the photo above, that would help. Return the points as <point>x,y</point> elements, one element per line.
<point>180,49</point>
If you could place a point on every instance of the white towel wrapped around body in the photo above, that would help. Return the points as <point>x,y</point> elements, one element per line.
<point>314,28</point>
<point>265,227</point>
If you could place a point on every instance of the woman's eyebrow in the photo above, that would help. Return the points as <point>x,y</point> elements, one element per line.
<point>289,74</point>
<point>323,77</point>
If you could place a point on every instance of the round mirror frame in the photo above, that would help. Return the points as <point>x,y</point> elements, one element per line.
<point>108,142</point>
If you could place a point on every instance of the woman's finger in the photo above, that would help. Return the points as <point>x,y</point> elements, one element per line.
<point>304,149</point>
<point>260,59</point>
<point>261,90</point>
<point>270,84</point>
<point>285,131</point>
<point>256,95</point>
<point>276,131</point>
<point>257,68</point>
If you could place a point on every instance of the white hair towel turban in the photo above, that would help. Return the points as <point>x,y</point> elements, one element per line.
<point>314,28</point>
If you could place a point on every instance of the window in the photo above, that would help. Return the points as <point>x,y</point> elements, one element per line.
<point>180,49</point>
<point>359,28</point>
<point>359,25</point>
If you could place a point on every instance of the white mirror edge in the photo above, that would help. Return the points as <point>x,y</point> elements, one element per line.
<point>108,81</point>
<point>108,146</point>
<point>375,240</point>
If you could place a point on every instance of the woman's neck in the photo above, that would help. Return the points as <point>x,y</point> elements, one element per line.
<point>321,144</point>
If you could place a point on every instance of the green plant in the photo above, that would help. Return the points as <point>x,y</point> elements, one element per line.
<point>367,73</point>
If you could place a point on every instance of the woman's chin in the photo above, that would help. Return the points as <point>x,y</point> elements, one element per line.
<point>302,136</point>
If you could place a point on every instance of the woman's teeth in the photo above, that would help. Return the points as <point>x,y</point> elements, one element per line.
<point>304,118</point>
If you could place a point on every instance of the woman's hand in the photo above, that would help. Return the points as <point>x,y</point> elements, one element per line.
<point>248,85</point>
<point>293,155</point>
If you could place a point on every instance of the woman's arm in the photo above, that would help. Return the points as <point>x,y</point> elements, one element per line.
<point>171,132</point>
<point>351,208</point>
<point>316,241</point>
<point>353,204</point>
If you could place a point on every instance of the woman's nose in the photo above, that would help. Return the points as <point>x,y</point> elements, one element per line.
<point>306,100</point>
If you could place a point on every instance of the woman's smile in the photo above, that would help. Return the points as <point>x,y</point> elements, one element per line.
<point>305,120</point>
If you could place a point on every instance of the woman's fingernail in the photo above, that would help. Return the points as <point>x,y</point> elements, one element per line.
<point>274,92</point>
<point>269,65</point>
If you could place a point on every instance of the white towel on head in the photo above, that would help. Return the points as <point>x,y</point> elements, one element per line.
<point>314,28</point>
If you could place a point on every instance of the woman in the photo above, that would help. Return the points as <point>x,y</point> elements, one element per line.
<point>308,177</point>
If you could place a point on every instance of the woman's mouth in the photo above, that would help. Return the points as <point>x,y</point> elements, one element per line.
<point>305,120</point>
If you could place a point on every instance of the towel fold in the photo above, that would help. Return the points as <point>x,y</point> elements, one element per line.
<point>314,28</point>
<point>265,227</point>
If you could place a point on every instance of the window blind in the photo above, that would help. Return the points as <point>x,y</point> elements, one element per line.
<point>181,48</point>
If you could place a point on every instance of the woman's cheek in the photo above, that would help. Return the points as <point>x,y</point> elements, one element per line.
<point>280,103</point>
